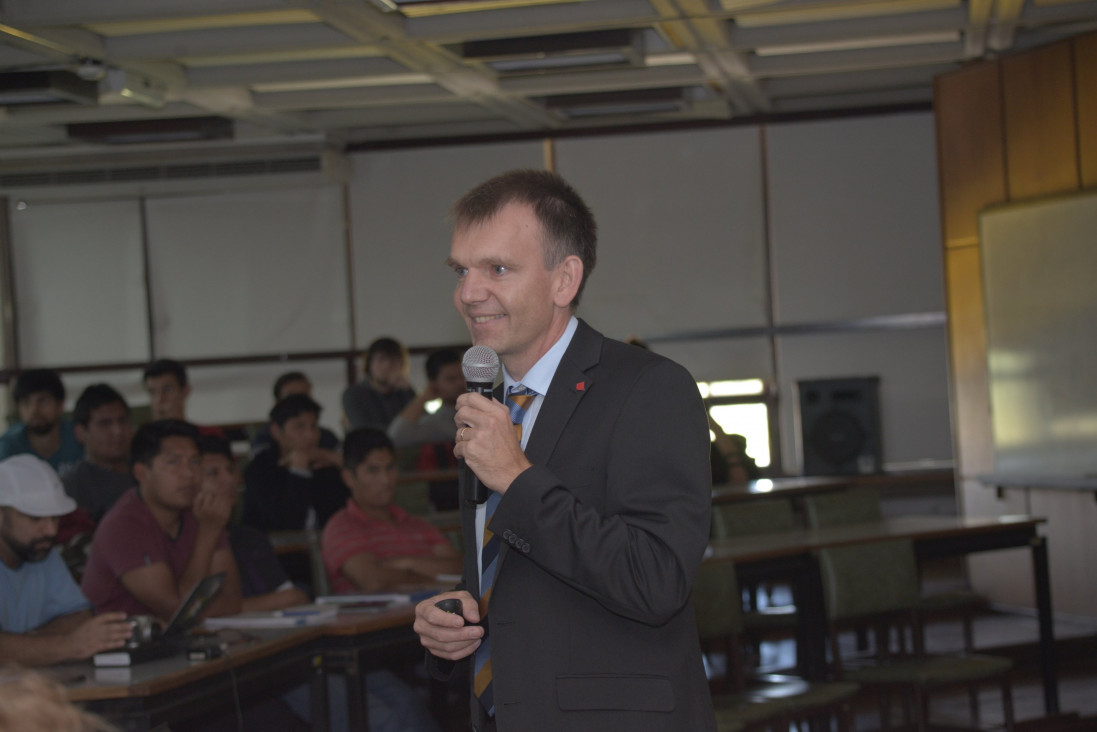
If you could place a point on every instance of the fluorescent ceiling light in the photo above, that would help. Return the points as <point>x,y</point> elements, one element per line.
<point>271,57</point>
<point>670,59</point>
<point>350,83</point>
<point>201,22</point>
<point>948,36</point>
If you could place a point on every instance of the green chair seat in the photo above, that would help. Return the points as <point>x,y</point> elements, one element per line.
<point>787,700</point>
<point>930,671</point>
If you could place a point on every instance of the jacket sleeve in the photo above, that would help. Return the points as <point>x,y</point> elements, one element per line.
<point>638,553</point>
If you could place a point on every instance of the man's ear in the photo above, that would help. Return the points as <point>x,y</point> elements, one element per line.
<point>569,275</point>
<point>348,477</point>
<point>141,473</point>
<point>81,433</point>
<point>276,432</point>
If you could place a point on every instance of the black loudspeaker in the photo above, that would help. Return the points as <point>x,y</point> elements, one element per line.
<point>840,425</point>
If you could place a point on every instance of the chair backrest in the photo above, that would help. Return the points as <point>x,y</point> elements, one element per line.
<point>864,580</point>
<point>755,516</point>
<point>850,506</point>
<point>717,603</point>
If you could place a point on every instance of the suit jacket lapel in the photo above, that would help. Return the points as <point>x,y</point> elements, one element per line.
<point>569,385</point>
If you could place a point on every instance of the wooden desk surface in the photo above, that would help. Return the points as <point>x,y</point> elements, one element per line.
<point>347,624</point>
<point>787,543</point>
<point>166,674</point>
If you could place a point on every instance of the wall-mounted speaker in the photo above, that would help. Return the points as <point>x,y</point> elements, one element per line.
<point>840,425</point>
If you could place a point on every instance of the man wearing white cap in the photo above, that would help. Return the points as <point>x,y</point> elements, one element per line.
<point>44,618</point>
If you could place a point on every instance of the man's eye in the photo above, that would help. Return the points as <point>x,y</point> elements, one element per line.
<point>498,269</point>
<point>460,271</point>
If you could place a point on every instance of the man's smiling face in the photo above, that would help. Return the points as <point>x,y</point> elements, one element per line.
<point>510,301</point>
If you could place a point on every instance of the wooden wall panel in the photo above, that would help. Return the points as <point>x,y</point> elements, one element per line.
<point>967,350</point>
<point>1040,122</point>
<point>970,155</point>
<point>1085,94</point>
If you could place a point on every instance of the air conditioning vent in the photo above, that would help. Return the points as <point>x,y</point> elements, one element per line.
<point>327,165</point>
<point>126,174</point>
<point>241,167</point>
<point>77,177</point>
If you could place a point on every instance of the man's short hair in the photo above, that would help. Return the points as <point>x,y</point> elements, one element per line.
<point>149,439</point>
<point>288,378</point>
<point>293,406</point>
<point>565,218</point>
<point>361,442</point>
<point>214,445</point>
<point>438,359</point>
<point>385,346</point>
<point>167,366</point>
<point>36,380</point>
<point>93,397</point>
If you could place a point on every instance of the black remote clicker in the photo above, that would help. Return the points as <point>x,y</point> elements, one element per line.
<point>450,605</point>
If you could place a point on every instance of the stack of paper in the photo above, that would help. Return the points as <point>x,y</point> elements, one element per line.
<point>296,616</point>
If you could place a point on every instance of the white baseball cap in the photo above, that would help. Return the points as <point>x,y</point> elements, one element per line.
<point>29,485</point>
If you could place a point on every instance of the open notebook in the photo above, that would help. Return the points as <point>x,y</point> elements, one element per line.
<point>171,639</point>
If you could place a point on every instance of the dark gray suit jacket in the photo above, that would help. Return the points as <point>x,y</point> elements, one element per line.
<point>591,622</point>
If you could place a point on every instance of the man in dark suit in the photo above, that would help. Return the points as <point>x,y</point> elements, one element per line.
<point>599,509</point>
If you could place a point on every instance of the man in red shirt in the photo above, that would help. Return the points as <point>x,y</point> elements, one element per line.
<point>373,544</point>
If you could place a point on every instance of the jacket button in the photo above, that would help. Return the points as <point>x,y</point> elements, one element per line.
<point>525,547</point>
<point>507,534</point>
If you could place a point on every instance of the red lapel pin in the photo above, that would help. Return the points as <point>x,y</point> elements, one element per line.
<point>581,386</point>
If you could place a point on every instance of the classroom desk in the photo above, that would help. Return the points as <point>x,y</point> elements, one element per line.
<point>352,644</point>
<point>791,555</point>
<point>170,689</point>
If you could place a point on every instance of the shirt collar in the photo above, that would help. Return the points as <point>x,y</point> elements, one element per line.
<point>539,378</point>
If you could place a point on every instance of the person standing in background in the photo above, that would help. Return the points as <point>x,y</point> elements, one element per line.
<point>384,392</point>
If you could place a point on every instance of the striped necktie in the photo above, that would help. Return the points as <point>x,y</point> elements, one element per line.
<point>518,400</point>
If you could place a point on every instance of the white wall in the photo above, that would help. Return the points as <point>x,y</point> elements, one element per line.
<point>839,217</point>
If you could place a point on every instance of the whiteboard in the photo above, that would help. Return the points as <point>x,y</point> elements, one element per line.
<point>1040,280</point>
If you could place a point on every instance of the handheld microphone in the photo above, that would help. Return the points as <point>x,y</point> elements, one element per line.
<point>481,366</point>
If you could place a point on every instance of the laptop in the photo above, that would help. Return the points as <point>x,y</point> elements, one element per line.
<point>170,640</point>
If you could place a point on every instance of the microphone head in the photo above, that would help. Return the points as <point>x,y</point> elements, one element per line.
<point>481,365</point>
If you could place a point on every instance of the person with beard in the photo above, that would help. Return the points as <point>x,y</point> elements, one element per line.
<point>44,619</point>
<point>386,390</point>
<point>40,400</point>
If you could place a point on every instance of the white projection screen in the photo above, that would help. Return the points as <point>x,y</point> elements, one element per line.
<point>248,273</point>
<point>80,287</point>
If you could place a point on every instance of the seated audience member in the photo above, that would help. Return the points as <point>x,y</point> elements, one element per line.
<point>264,585</point>
<point>386,390</point>
<point>164,536</point>
<point>42,430</point>
<point>434,432</point>
<point>103,427</point>
<point>44,619</point>
<point>392,705</point>
<point>728,455</point>
<point>293,485</point>
<point>373,544</point>
<point>445,381</point>
<point>294,382</point>
<point>168,387</point>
